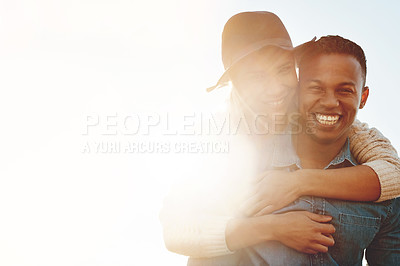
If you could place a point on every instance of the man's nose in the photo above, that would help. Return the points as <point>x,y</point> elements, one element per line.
<point>329,100</point>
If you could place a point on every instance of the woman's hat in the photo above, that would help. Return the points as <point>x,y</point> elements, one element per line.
<point>247,32</point>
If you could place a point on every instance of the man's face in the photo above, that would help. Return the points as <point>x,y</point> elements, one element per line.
<point>266,80</point>
<point>330,95</point>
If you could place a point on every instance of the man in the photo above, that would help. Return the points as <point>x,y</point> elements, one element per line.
<point>258,60</point>
<point>332,75</point>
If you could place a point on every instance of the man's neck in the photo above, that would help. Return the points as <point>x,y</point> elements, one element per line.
<point>316,155</point>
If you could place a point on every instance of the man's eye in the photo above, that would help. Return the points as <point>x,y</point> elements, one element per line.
<point>345,91</point>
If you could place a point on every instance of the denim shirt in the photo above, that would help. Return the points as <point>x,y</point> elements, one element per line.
<point>284,155</point>
<point>374,227</point>
<point>359,225</point>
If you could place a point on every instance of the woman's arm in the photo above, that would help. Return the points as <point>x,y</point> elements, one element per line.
<point>214,236</point>
<point>205,229</point>
<point>276,188</point>
<point>374,150</point>
<point>357,183</point>
<point>301,230</point>
<point>378,179</point>
<point>200,238</point>
<point>194,221</point>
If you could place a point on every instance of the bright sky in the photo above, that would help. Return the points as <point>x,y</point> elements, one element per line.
<point>68,64</point>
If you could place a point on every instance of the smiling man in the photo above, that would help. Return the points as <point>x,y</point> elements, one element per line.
<point>332,74</point>
<point>332,89</point>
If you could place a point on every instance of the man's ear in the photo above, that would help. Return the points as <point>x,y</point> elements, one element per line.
<point>364,97</point>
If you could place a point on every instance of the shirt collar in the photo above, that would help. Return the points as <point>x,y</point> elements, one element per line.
<point>344,156</point>
<point>285,156</point>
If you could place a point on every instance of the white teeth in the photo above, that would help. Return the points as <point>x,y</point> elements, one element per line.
<point>327,119</point>
<point>277,102</point>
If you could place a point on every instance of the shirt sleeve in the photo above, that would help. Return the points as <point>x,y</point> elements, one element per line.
<point>194,227</point>
<point>202,238</point>
<point>371,148</point>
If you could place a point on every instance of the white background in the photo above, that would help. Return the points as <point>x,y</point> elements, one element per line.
<point>62,61</point>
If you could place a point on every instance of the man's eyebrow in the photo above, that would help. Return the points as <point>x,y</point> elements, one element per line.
<point>347,84</point>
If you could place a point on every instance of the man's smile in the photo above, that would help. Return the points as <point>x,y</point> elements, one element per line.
<point>327,119</point>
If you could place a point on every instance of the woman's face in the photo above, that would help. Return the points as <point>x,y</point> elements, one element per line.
<point>266,80</point>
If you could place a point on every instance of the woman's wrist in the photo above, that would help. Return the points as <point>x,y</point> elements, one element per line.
<point>244,232</point>
<point>305,181</point>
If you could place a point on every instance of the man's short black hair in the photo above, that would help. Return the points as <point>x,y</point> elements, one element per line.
<point>333,45</point>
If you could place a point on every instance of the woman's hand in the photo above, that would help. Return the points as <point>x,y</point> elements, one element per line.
<point>301,230</point>
<point>272,190</point>
<point>304,231</point>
